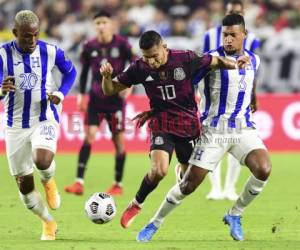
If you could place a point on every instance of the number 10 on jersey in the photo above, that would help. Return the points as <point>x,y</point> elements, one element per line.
<point>167,92</point>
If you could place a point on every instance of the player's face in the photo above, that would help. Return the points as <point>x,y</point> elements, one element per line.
<point>233,38</point>
<point>27,37</point>
<point>155,56</point>
<point>103,26</point>
<point>234,9</point>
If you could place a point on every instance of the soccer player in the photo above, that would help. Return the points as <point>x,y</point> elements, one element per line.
<point>227,127</point>
<point>105,47</point>
<point>167,78</point>
<point>32,103</point>
<point>213,40</point>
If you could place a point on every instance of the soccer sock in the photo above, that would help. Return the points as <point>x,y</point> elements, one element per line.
<point>119,166</point>
<point>146,188</point>
<point>232,174</point>
<point>33,202</point>
<point>84,156</point>
<point>215,178</point>
<point>48,173</point>
<point>252,188</point>
<point>172,200</point>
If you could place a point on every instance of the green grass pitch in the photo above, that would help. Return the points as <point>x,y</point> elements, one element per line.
<point>272,221</point>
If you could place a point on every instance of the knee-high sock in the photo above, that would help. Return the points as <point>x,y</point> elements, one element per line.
<point>215,178</point>
<point>145,189</point>
<point>232,174</point>
<point>84,155</point>
<point>33,202</point>
<point>172,200</point>
<point>252,188</point>
<point>48,173</point>
<point>119,167</point>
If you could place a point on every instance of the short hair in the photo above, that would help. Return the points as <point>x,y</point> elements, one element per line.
<point>26,17</point>
<point>236,2</point>
<point>233,19</point>
<point>149,39</point>
<point>102,13</point>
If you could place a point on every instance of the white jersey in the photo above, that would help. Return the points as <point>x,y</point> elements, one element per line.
<point>33,79</point>
<point>213,40</point>
<point>226,98</point>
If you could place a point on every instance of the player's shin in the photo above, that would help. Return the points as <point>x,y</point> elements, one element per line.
<point>172,200</point>
<point>252,188</point>
<point>48,173</point>
<point>119,167</point>
<point>84,156</point>
<point>147,186</point>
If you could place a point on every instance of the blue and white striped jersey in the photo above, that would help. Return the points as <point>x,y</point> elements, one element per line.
<point>33,79</point>
<point>226,95</point>
<point>213,40</point>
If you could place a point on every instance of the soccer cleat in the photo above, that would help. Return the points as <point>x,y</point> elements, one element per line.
<point>129,214</point>
<point>230,195</point>
<point>234,222</point>
<point>115,189</point>
<point>214,195</point>
<point>178,173</point>
<point>147,233</point>
<point>52,195</point>
<point>75,188</point>
<point>49,230</point>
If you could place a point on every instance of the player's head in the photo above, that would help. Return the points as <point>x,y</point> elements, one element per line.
<point>103,23</point>
<point>26,30</point>
<point>154,50</point>
<point>234,33</point>
<point>234,7</point>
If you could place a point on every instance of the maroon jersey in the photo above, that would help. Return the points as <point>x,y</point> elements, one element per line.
<point>117,53</point>
<point>170,91</point>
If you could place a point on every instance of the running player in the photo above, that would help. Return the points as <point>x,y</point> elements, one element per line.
<point>167,78</point>
<point>32,103</point>
<point>105,47</point>
<point>227,127</point>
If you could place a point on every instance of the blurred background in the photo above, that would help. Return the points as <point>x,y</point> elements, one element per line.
<point>182,23</point>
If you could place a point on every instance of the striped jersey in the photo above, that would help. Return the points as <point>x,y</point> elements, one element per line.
<point>226,95</point>
<point>213,40</point>
<point>33,79</point>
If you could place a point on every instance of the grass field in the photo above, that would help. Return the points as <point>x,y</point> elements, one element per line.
<point>196,224</point>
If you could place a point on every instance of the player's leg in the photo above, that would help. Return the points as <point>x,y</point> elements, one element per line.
<point>252,152</point>
<point>232,174</point>
<point>161,150</point>
<point>215,192</point>
<point>117,127</point>
<point>44,140</point>
<point>92,122</point>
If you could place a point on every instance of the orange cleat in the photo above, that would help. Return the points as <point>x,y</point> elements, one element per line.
<point>129,214</point>
<point>49,230</point>
<point>52,195</point>
<point>115,189</point>
<point>75,188</point>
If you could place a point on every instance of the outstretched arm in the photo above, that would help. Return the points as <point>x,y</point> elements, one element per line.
<point>224,63</point>
<point>109,86</point>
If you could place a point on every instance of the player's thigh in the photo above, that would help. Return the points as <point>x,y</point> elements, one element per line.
<point>18,151</point>
<point>116,121</point>
<point>92,117</point>
<point>45,135</point>
<point>184,148</point>
<point>246,141</point>
<point>209,150</point>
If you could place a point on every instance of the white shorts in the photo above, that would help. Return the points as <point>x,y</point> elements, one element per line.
<point>20,143</point>
<point>212,146</point>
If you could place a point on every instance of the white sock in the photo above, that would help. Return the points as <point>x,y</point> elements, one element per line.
<point>215,178</point>
<point>232,174</point>
<point>252,188</point>
<point>33,202</point>
<point>172,200</point>
<point>48,173</point>
<point>80,180</point>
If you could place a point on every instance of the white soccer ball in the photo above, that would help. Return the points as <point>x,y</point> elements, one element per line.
<point>100,208</point>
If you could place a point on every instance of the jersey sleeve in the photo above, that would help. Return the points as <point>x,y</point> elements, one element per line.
<point>129,76</point>
<point>84,55</point>
<point>255,45</point>
<point>199,62</point>
<point>206,42</point>
<point>1,70</point>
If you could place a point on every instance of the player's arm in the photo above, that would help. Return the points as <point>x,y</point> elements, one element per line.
<point>253,104</point>
<point>225,63</point>
<point>109,86</point>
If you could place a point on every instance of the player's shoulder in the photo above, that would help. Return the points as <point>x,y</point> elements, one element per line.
<point>48,46</point>
<point>121,39</point>
<point>6,45</point>
<point>255,59</point>
<point>182,54</point>
<point>90,43</point>
<point>251,36</point>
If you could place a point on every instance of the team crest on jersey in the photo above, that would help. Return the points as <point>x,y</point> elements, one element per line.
<point>114,53</point>
<point>179,74</point>
<point>158,140</point>
<point>94,53</point>
<point>163,75</point>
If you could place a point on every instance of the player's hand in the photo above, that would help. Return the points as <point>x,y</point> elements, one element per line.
<point>81,104</point>
<point>142,118</point>
<point>8,85</point>
<point>106,70</point>
<point>243,61</point>
<point>53,98</point>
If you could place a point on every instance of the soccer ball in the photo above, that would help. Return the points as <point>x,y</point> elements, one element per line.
<point>100,208</point>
